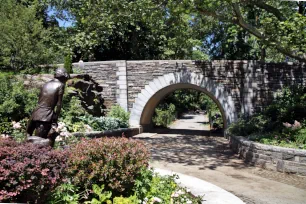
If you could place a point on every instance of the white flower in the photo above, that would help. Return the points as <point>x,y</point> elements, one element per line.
<point>175,195</point>
<point>180,192</point>
<point>189,202</point>
<point>4,136</point>
<point>88,128</point>
<point>188,190</point>
<point>61,126</point>
<point>156,199</point>
<point>16,125</point>
<point>59,138</point>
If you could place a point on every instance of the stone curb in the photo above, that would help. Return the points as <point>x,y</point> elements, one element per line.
<point>128,132</point>
<point>282,159</point>
<point>212,193</point>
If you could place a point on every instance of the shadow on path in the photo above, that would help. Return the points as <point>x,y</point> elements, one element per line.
<point>177,146</point>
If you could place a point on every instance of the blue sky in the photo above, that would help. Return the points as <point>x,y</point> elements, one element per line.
<point>62,23</point>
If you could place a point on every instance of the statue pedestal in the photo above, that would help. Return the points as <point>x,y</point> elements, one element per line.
<point>39,141</point>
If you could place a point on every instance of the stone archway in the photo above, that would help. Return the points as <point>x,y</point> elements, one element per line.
<point>157,89</point>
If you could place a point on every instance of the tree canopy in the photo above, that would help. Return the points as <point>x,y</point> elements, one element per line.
<point>276,24</point>
<point>150,29</point>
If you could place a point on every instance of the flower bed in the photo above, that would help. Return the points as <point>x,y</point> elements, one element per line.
<point>104,170</point>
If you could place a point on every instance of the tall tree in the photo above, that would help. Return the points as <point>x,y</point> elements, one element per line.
<point>278,24</point>
<point>125,29</point>
<point>24,41</point>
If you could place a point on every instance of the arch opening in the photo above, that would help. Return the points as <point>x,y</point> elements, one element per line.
<point>146,101</point>
<point>148,111</point>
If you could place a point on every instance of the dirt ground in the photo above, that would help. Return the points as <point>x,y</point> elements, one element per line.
<point>189,148</point>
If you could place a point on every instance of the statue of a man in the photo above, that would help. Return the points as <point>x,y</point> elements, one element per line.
<point>45,115</point>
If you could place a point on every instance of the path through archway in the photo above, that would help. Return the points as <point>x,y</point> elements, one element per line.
<point>156,90</point>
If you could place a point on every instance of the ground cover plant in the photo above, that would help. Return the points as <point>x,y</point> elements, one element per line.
<point>281,123</point>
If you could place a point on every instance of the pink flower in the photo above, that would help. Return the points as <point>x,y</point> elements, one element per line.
<point>296,125</point>
<point>287,125</point>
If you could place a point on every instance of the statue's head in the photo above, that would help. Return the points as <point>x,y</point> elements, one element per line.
<point>61,74</point>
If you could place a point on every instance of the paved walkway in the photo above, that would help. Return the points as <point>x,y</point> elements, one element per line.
<point>189,148</point>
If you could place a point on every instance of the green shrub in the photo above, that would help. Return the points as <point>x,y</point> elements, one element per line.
<point>16,102</point>
<point>103,123</point>
<point>165,115</point>
<point>71,111</point>
<point>279,123</point>
<point>29,172</point>
<point>248,126</point>
<point>113,162</point>
<point>68,63</point>
<point>119,113</point>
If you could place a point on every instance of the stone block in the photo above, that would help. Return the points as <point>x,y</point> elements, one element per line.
<point>123,82</point>
<point>149,89</point>
<point>122,69</point>
<point>280,166</point>
<point>122,78</point>
<point>120,73</point>
<point>121,64</point>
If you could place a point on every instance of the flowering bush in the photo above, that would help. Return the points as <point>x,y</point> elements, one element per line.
<point>28,172</point>
<point>280,123</point>
<point>114,162</point>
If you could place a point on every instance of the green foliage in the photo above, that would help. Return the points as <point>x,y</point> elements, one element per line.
<point>71,111</point>
<point>16,102</point>
<point>24,41</point>
<point>280,123</point>
<point>105,31</point>
<point>181,101</point>
<point>104,197</point>
<point>153,188</point>
<point>103,123</point>
<point>122,200</point>
<point>65,193</point>
<point>164,116</point>
<point>259,25</point>
<point>119,113</point>
<point>68,63</point>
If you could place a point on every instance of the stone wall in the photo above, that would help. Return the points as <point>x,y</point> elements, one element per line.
<point>81,86</point>
<point>251,84</point>
<point>111,75</point>
<point>274,158</point>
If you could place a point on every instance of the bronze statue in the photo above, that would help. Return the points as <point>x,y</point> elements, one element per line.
<point>45,115</point>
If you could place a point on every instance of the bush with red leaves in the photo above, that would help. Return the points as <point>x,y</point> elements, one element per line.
<point>114,162</point>
<point>29,172</point>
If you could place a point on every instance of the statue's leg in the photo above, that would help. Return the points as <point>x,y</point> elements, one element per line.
<point>42,129</point>
<point>31,127</point>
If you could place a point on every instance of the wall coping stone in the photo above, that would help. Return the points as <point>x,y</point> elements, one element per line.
<point>129,132</point>
<point>272,148</point>
<point>281,159</point>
